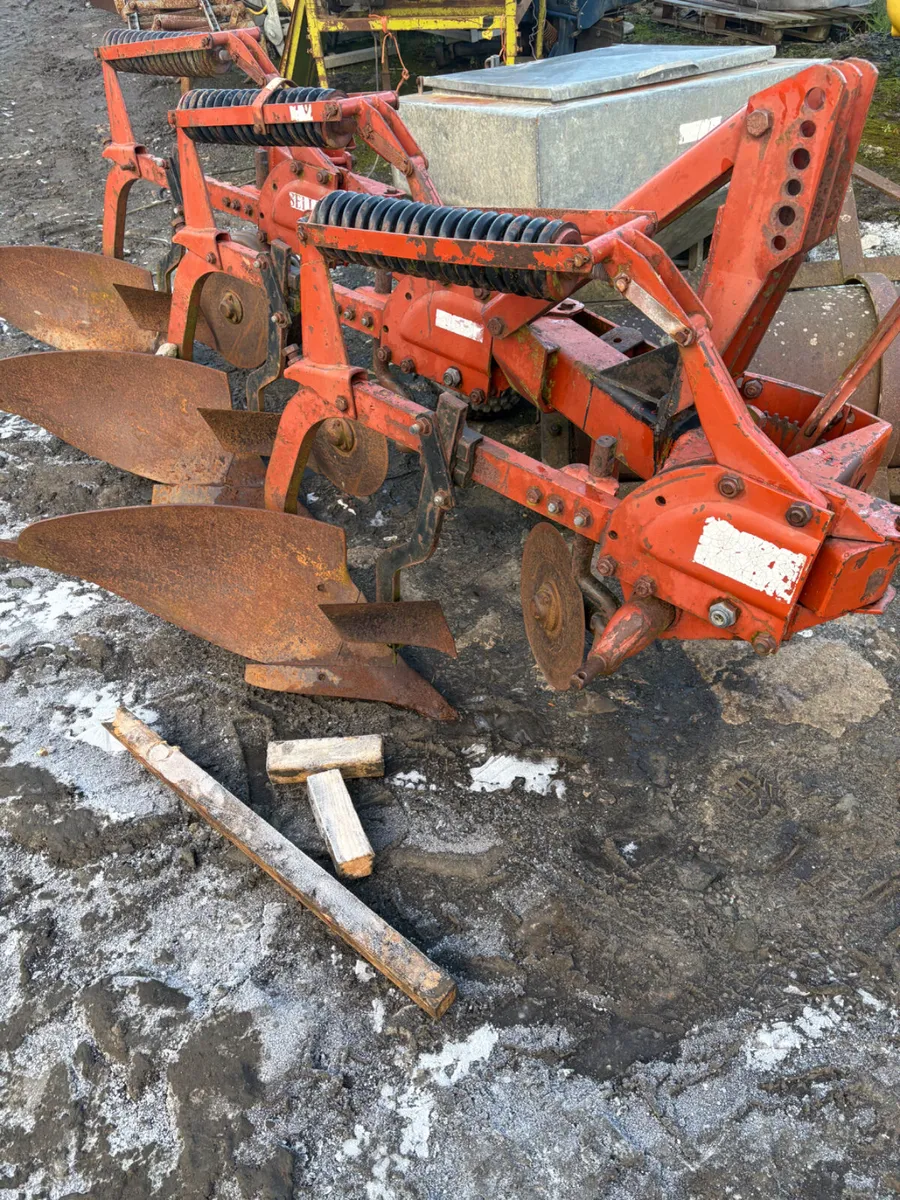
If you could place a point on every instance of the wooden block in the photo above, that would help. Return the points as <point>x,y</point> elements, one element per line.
<point>386,949</point>
<point>354,757</point>
<point>339,824</point>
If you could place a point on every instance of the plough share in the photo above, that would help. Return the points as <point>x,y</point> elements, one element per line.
<point>747,514</point>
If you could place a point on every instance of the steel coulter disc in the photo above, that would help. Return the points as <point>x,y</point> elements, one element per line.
<point>353,457</point>
<point>552,605</point>
<point>68,298</point>
<point>236,315</point>
<point>135,411</point>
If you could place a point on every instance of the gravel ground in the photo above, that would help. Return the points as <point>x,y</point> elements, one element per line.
<point>670,902</point>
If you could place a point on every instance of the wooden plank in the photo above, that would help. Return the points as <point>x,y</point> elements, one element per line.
<point>339,824</point>
<point>386,949</point>
<point>354,757</point>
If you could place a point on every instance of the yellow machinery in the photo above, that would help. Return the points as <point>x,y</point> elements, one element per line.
<point>893,9</point>
<point>317,19</point>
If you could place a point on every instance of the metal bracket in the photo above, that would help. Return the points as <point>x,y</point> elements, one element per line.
<point>274,270</point>
<point>175,254</point>
<point>210,15</point>
<point>438,439</point>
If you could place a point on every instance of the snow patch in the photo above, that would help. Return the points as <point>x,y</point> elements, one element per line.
<point>501,771</point>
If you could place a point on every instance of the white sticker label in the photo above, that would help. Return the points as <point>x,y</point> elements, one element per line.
<point>453,324</point>
<point>303,112</point>
<point>748,559</point>
<point>693,131</point>
<point>301,202</point>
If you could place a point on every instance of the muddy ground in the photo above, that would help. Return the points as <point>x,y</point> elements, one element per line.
<point>670,902</point>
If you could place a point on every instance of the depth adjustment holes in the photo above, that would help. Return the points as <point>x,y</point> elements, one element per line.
<point>800,159</point>
<point>787,215</point>
<point>808,129</point>
<point>793,187</point>
<point>815,99</point>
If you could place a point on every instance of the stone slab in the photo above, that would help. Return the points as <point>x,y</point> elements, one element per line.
<point>599,72</point>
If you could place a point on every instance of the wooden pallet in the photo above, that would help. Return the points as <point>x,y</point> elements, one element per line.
<point>742,24</point>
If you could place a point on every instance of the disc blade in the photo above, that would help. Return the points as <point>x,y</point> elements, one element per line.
<point>404,623</point>
<point>68,298</point>
<point>352,457</point>
<point>249,580</point>
<point>235,320</point>
<point>233,317</point>
<point>135,411</point>
<point>552,605</point>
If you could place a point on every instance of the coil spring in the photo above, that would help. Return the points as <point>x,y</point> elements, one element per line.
<point>201,64</point>
<point>388,214</point>
<point>300,134</point>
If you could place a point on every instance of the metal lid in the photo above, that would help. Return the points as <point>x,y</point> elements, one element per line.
<point>595,72</point>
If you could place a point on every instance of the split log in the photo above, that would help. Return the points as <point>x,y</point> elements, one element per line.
<point>339,824</point>
<point>354,757</point>
<point>386,949</point>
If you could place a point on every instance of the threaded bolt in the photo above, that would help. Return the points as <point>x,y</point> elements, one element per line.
<point>722,614</point>
<point>452,377</point>
<point>534,495</point>
<point>798,515</point>
<point>367,321</point>
<point>644,587</point>
<point>764,644</point>
<point>477,396</point>
<point>730,486</point>
<point>555,506</point>
<point>581,519</point>
<point>606,566</point>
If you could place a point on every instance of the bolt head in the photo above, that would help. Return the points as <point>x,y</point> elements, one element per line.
<point>477,396</point>
<point>367,321</point>
<point>342,404</point>
<point>296,168</point>
<point>323,177</point>
<point>798,515</point>
<point>764,644</point>
<point>533,495</point>
<point>496,327</point>
<point>349,314</point>
<point>452,377</point>
<point>752,389</point>
<point>383,354</point>
<point>759,122</point>
<point>579,521</point>
<point>407,366</point>
<point>555,505</point>
<point>606,566</point>
<point>645,586</point>
<point>730,486</point>
<point>722,614</point>
<point>621,283</point>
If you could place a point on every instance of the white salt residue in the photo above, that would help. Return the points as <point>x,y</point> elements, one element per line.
<point>475,749</point>
<point>446,1067</point>
<point>456,1059</point>
<point>379,520</point>
<point>13,426</point>
<point>94,707</point>
<point>377,1014</point>
<point>771,1044</point>
<point>630,849</point>
<point>362,970</point>
<point>501,771</point>
<point>869,1000</point>
<point>39,612</point>
<point>413,781</point>
<point>353,1147</point>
